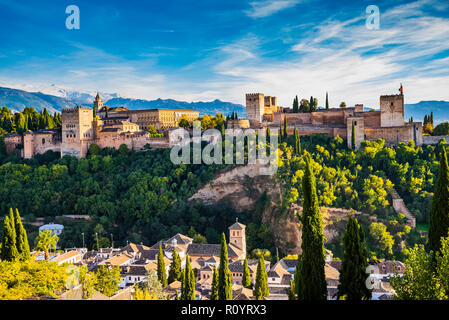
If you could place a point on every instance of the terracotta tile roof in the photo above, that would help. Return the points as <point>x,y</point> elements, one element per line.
<point>66,256</point>
<point>117,260</point>
<point>208,250</point>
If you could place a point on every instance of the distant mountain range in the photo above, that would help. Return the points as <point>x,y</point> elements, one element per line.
<point>418,110</point>
<point>17,100</point>
<point>57,98</point>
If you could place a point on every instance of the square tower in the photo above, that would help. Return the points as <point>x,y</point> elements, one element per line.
<point>392,110</point>
<point>255,105</point>
<point>77,131</point>
<point>237,236</point>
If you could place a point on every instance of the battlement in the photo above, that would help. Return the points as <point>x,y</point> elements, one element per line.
<point>74,110</point>
<point>254,94</point>
<point>391,95</point>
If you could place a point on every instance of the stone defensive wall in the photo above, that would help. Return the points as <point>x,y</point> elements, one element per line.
<point>396,135</point>
<point>434,139</point>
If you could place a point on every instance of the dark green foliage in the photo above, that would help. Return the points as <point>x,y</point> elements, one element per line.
<point>9,248</point>
<point>189,282</point>
<point>297,142</point>
<point>312,280</point>
<point>214,291</point>
<point>261,286</point>
<point>21,238</point>
<point>353,136</point>
<point>327,101</point>
<point>246,278</point>
<point>161,273</point>
<point>295,105</point>
<point>224,275</point>
<point>174,273</point>
<point>285,131</point>
<point>442,129</point>
<point>439,214</point>
<point>353,274</point>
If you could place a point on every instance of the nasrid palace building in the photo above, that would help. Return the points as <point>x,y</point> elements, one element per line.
<point>386,123</point>
<point>112,127</point>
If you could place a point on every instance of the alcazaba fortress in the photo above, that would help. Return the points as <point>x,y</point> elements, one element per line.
<point>113,127</point>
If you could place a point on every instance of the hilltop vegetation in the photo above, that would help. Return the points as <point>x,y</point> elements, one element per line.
<point>361,180</point>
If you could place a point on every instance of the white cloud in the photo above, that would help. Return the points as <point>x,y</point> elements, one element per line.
<point>265,8</point>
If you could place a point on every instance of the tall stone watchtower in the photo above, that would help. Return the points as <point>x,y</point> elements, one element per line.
<point>77,131</point>
<point>392,110</point>
<point>255,106</point>
<point>98,103</point>
<point>237,236</point>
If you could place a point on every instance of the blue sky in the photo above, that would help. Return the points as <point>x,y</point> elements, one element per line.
<point>207,49</point>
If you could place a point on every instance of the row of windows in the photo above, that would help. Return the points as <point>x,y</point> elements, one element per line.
<point>71,136</point>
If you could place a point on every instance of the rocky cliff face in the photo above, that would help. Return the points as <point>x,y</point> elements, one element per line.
<point>242,188</point>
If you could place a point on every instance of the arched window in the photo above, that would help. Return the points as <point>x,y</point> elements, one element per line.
<point>43,141</point>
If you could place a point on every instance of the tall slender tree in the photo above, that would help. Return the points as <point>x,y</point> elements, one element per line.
<point>9,248</point>
<point>189,281</point>
<point>439,214</point>
<point>174,273</point>
<point>353,274</point>
<point>246,278</point>
<point>285,129</point>
<point>297,142</point>
<point>312,279</point>
<point>327,101</point>
<point>281,134</point>
<point>21,238</point>
<point>214,291</point>
<point>161,272</point>
<point>261,286</point>
<point>224,275</point>
<point>295,105</point>
<point>353,136</point>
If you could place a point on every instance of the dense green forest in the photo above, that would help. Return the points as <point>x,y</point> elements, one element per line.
<point>28,119</point>
<point>361,180</point>
<point>141,196</point>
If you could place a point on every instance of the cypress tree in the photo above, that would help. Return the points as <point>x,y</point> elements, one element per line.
<point>297,142</point>
<point>281,134</point>
<point>296,278</point>
<point>327,101</point>
<point>9,249</point>
<point>189,281</point>
<point>224,275</point>
<point>425,119</point>
<point>176,294</point>
<point>214,291</point>
<point>174,273</point>
<point>277,255</point>
<point>353,275</point>
<point>312,279</point>
<point>291,291</point>
<point>439,214</point>
<point>183,281</point>
<point>261,286</point>
<point>431,118</point>
<point>161,273</point>
<point>285,129</point>
<point>21,238</point>
<point>311,104</point>
<point>295,105</point>
<point>246,279</point>
<point>353,136</point>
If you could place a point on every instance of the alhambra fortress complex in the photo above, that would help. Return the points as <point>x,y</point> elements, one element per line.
<point>113,127</point>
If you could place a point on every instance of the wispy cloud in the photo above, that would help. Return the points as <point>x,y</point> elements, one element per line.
<point>265,8</point>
